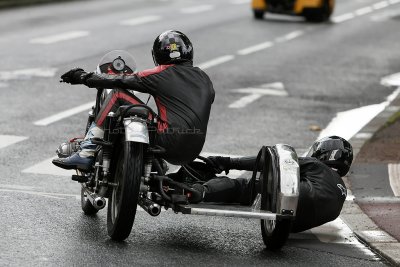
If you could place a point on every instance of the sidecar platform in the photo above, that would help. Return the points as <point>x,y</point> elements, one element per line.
<point>288,181</point>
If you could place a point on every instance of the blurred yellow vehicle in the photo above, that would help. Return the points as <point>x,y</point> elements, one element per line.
<point>312,10</point>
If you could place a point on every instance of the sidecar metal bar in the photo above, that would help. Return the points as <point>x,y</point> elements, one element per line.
<point>231,213</point>
<point>227,211</point>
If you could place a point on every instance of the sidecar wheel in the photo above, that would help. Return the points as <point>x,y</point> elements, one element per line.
<point>124,197</point>
<point>87,207</point>
<point>274,232</point>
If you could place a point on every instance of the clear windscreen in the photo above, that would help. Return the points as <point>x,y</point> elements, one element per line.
<point>117,62</point>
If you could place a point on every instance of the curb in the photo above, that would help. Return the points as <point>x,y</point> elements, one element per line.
<point>364,228</point>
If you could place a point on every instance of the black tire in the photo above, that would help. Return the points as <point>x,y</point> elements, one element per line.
<point>274,232</point>
<point>124,198</point>
<point>87,207</point>
<point>321,14</point>
<point>258,14</point>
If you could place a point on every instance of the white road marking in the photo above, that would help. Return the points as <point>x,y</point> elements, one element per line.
<point>379,200</point>
<point>363,135</point>
<point>380,5</point>
<point>18,187</point>
<point>7,140</point>
<point>386,15</point>
<point>24,74</point>
<point>275,89</point>
<point>216,61</point>
<point>338,232</point>
<point>64,114</point>
<point>363,11</point>
<point>48,168</point>
<point>244,101</point>
<point>31,193</point>
<point>268,44</point>
<point>240,2</point>
<point>348,123</point>
<point>140,20</point>
<point>394,1</point>
<point>293,35</point>
<point>378,236</point>
<point>59,37</point>
<point>394,178</point>
<point>197,9</point>
<point>255,48</point>
<point>343,18</point>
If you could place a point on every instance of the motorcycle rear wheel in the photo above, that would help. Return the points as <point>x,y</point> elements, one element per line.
<point>123,201</point>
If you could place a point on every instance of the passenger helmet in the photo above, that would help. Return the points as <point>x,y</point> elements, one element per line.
<point>334,151</point>
<point>172,47</point>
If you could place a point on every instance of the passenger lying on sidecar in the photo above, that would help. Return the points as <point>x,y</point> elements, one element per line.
<point>322,192</point>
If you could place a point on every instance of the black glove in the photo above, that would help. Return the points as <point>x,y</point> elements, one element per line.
<point>219,164</point>
<point>74,76</point>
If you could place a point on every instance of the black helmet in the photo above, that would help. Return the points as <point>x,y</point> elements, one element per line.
<point>172,47</point>
<point>335,152</point>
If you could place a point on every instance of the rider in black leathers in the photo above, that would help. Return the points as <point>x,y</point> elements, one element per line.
<point>183,94</point>
<point>322,191</point>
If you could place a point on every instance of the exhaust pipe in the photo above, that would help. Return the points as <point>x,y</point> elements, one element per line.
<point>152,208</point>
<point>97,201</point>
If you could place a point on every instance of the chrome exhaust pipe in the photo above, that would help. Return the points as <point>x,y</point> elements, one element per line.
<point>149,206</point>
<point>97,201</point>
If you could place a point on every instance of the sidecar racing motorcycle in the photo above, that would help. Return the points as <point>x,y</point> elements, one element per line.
<point>129,171</point>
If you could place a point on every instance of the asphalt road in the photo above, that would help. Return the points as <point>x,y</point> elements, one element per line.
<point>323,68</point>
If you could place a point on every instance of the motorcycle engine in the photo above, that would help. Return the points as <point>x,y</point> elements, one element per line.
<point>67,149</point>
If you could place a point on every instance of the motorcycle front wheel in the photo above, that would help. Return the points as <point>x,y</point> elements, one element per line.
<point>124,197</point>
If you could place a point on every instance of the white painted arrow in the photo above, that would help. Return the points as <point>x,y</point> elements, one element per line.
<point>275,89</point>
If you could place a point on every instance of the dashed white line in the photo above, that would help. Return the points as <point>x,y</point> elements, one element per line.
<point>380,5</point>
<point>64,114</point>
<point>293,35</point>
<point>27,73</point>
<point>255,48</point>
<point>394,1</point>
<point>197,9</point>
<point>343,18</point>
<point>140,20</point>
<point>59,37</point>
<point>7,140</point>
<point>363,11</point>
<point>216,61</point>
<point>240,2</point>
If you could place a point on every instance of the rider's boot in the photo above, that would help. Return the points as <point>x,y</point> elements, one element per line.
<point>84,159</point>
<point>197,195</point>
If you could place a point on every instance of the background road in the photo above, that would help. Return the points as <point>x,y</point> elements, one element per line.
<point>316,71</point>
